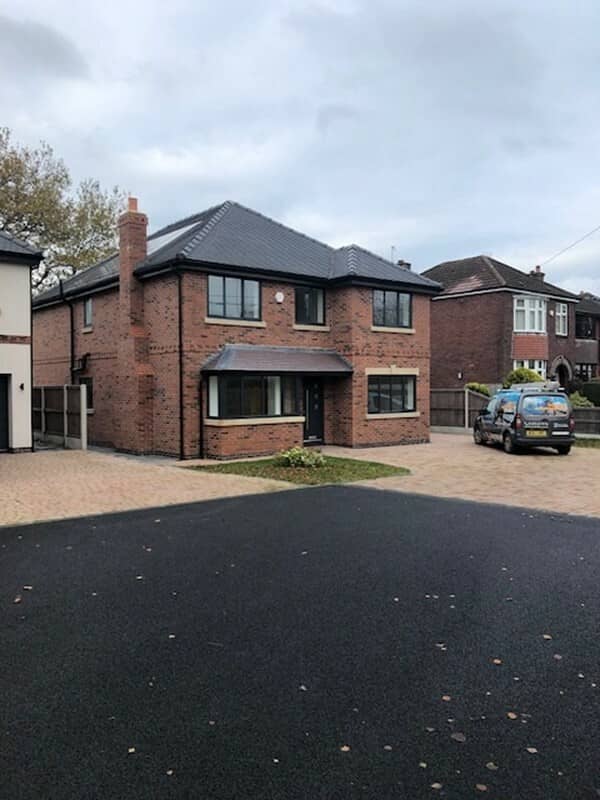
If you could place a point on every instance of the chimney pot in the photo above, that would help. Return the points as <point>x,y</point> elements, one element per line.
<point>132,204</point>
<point>537,273</point>
<point>405,264</point>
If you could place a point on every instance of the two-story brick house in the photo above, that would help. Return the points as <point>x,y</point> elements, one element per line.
<point>16,262</point>
<point>491,318</point>
<point>229,334</point>
<point>587,337</point>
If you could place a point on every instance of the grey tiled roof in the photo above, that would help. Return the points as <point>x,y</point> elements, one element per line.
<point>261,358</point>
<point>483,272</point>
<point>11,246</point>
<point>231,235</point>
<point>589,304</point>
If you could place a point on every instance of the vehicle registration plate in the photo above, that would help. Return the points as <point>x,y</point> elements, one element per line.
<point>536,433</point>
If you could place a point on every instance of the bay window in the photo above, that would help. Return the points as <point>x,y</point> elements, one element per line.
<point>239,396</point>
<point>529,315</point>
<point>536,364</point>
<point>584,326</point>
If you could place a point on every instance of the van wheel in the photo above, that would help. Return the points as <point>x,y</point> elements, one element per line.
<point>509,445</point>
<point>478,437</point>
<point>564,450</point>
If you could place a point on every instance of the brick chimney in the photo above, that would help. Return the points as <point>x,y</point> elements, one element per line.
<point>537,273</point>
<point>405,264</point>
<point>133,230</point>
<point>134,389</point>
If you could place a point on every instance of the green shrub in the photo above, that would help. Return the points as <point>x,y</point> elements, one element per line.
<point>592,391</point>
<point>579,401</point>
<point>301,457</point>
<point>482,388</point>
<point>521,375</point>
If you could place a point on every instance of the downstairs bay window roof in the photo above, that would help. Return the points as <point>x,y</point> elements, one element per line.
<point>262,359</point>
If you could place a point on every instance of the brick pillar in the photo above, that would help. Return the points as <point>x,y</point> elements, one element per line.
<point>135,379</point>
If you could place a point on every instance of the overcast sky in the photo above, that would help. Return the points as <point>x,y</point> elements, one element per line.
<point>444,129</point>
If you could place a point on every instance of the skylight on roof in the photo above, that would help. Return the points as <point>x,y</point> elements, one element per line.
<point>166,238</point>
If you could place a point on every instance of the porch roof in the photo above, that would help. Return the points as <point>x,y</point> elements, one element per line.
<point>264,359</point>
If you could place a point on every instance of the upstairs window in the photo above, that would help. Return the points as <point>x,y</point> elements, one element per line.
<point>391,309</point>
<point>529,315</point>
<point>561,319</point>
<point>233,298</point>
<point>310,306</point>
<point>88,313</point>
<point>584,326</point>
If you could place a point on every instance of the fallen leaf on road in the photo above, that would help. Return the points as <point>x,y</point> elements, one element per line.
<point>496,660</point>
<point>446,698</point>
<point>458,737</point>
<point>531,749</point>
<point>490,765</point>
<point>436,785</point>
<point>557,657</point>
<point>387,747</point>
<point>169,772</point>
<point>546,636</point>
<point>345,748</point>
<point>512,715</point>
<point>131,749</point>
<point>423,764</point>
<point>18,599</point>
<point>28,588</point>
<point>481,787</point>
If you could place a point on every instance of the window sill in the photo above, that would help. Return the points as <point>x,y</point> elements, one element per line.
<point>562,335</point>
<point>302,327</point>
<point>87,329</point>
<point>385,329</point>
<point>90,412</point>
<point>240,323</point>
<point>531,333</point>
<point>399,415</point>
<point>236,423</point>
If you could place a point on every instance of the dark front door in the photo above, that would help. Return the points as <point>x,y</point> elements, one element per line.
<point>3,412</point>
<point>313,409</point>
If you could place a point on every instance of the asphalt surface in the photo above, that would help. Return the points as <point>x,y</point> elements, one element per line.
<point>325,644</point>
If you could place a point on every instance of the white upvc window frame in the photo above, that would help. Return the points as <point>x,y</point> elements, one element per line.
<point>538,365</point>
<point>529,314</point>
<point>561,317</point>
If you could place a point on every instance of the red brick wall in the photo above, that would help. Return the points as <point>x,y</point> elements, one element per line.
<point>472,334</point>
<point>51,364</point>
<point>153,380</point>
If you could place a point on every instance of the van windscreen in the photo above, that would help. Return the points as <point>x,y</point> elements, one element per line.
<point>545,405</point>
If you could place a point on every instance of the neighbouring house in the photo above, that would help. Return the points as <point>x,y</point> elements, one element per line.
<point>229,334</point>
<point>492,318</point>
<point>587,337</point>
<point>17,259</point>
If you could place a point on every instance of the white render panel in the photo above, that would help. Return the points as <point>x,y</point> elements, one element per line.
<point>15,301</point>
<point>15,361</point>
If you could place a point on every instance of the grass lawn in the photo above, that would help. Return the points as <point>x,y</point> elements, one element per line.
<point>587,443</point>
<point>335,470</point>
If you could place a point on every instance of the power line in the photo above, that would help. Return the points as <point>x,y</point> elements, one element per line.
<point>564,250</point>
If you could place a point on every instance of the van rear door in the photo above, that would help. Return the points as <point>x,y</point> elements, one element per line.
<point>545,415</point>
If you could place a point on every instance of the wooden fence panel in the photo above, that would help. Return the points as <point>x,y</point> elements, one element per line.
<point>587,420</point>
<point>449,407</point>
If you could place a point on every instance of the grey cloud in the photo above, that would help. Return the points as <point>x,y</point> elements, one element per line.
<point>32,50</point>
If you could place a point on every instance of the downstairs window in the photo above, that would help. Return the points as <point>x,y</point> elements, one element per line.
<point>391,394</point>
<point>240,396</point>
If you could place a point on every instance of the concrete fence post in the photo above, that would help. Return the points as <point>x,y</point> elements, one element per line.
<point>43,411</point>
<point>83,413</point>
<point>467,426</point>
<point>65,415</point>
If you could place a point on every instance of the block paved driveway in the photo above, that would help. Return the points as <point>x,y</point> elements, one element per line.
<point>334,643</point>
<point>453,466</point>
<point>55,484</point>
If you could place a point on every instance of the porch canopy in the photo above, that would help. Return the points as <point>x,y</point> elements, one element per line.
<point>263,359</point>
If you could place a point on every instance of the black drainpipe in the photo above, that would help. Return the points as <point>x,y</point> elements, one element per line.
<point>71,332</point>
<point>180,335</point>
<point>201,406</point>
